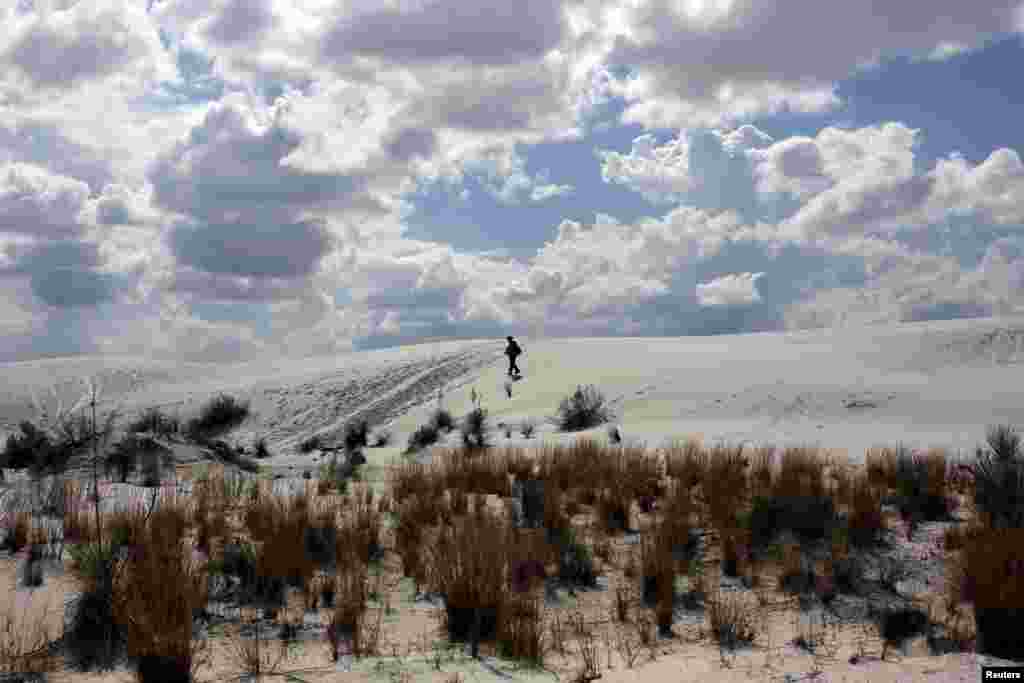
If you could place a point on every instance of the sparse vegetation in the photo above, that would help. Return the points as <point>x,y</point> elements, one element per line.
<point>425,435</point>
<point>586,408</point>
<point>219,415</point>
<point>144,586</point>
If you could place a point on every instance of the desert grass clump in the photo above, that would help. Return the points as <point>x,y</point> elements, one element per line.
<point>356,435</point>
<point>521,630</point>
<point>881,467</point>
<point>527,427</point>
<point>310,444</point>
<point>575,559</point>
<point>252,656</point>
<point>999,479</point>
<point>584,409</point>
<point>260,450</point>
<point>724,486</point>
<point>16,529</point>
<point>864,522</point>
<point>990,574</point>
<point>156,599</point>
<point>733,619</point>
<point>425,435</point>
<point>921,486</point>
<point>32,567</point>
<point>469,566</point>
<point>217,416</point>
<point>658,571</point>
<point>474,430</point>
<point>442,420</point>
<point>685,461</point>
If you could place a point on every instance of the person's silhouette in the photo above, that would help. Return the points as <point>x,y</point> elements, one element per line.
<point>513,351</point>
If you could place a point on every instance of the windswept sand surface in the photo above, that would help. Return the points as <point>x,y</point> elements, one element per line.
<point>924,384</point>
<point>928,384</point>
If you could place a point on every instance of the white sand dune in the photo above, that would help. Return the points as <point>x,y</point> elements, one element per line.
<point>923,384</point>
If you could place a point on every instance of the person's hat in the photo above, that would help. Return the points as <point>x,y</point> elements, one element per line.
<point>509,338</point>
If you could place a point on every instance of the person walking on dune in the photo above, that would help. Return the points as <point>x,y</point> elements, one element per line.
<point>513,351</point>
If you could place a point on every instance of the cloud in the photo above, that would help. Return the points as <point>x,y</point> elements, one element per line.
<point>239,21</point>
<point>745,58</point>
<point>543,192</point>
<point>264,250</point>
<point>70,45</point>
<point>38,203</point>
<point>735,289</point>
<point>698,161</point>
<point>43,144</point>
<point>479,31</point>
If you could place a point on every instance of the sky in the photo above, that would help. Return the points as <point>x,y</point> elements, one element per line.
<point>223,180</point>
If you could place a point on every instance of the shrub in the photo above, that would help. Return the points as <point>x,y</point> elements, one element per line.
<point>474,429</point>
<point>584,409</point>
<point>527,428</point>
<point>311,444</point>
<point>356,435</point>
<point>733,620</point>
<point>575,562</point>
<point>442,420</point>
<point>468,567</point>
<point>32,569</point>
<point>810,518</point>
<point>94,639</point>
<point>381,438</point>
<point>990,573</point>
<point>17,529</point>
<point>260,449</point>
<point>27,449</point>
<point>999,479</point>
<point>920,486</point>
<point>424,436</point>
<point>865,522</point>
<point>152,470</point>
<point>219,415</point>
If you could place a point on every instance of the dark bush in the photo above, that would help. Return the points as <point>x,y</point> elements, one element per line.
<point>896,626</point>
<point>462,623</point>
<point>424,436</point>
<point>920,492</point>
<point>321,542</point>
<point>809,517</point>
<point>23,451</point>
<point>999,632</point>
<point>442,420</point>
<point>32,569</point>
<point>163,669</point>
<point>999,479</point>
<point>311,444</point>
<point>474,429</point>
<point>219,415</point>
<point>93,639</point>
<point>230,456</point>
<point>260,449</point>
<point>575,562</point>
<point>584,409</point>
<point>531,493</point>
<point>356,435</point>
